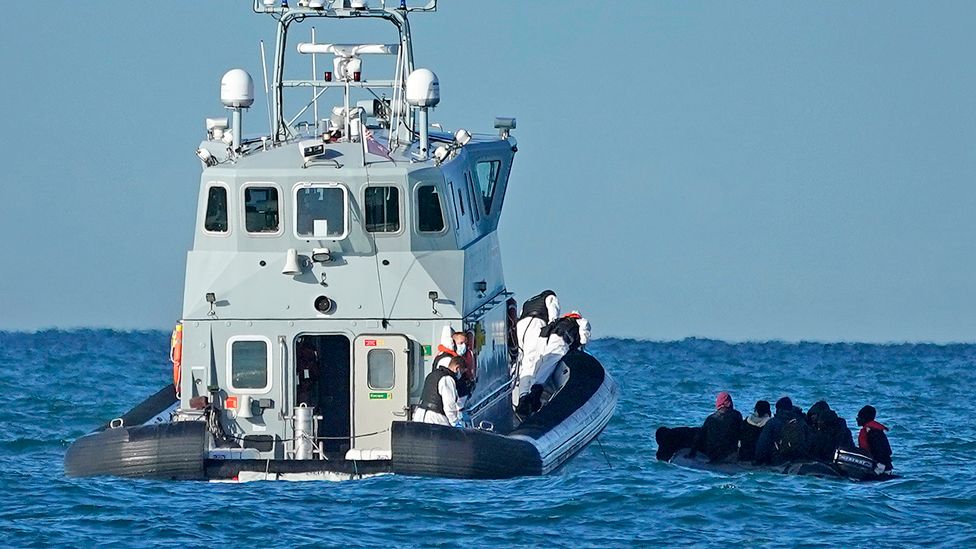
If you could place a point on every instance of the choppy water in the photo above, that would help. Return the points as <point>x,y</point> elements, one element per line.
<point>59,385</point>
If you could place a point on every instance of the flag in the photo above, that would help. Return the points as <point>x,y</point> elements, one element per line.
<point>372,146</point>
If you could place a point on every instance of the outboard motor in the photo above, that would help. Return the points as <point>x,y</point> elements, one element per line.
<point>856,466</point>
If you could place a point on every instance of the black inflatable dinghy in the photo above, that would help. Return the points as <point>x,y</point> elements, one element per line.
<point>674,446</point>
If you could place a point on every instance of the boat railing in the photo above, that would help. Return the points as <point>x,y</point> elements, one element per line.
<point>339,8</point>
<point>401,117</point>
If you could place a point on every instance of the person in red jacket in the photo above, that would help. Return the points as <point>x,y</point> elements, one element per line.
<point>872,439</point>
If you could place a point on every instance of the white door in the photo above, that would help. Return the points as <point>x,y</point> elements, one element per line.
<point>379,389</point>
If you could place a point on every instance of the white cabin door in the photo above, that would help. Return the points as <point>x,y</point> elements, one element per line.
<point>379,391</point>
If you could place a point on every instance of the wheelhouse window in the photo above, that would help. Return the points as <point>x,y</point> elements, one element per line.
<point>472,194</point>
<point>216,218</point>
<point>320,212</point>
<point>382,205</point>
<point>249,365</point>
<point>261,209</point>
<point>429,216</point>
<point>457,216</point>
<point>380,369</point>
<point>486,174</point>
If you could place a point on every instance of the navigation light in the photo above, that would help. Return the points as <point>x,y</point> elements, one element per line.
<point>206,157</point>
<point>321,255</point>
<point>441,153</point>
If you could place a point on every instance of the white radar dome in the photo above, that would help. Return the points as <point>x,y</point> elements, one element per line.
<point>423,88</point>
<point>237,89</point>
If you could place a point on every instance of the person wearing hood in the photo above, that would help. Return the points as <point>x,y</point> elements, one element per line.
<point>456,344</point>
<point>872,439</point>
<point>828,432</point>
<point>718,437</point>
<point>567,333</point>
<point>783,438</point>
<point>439,400</point>
<point>751,427</point>
<point>537,312</point>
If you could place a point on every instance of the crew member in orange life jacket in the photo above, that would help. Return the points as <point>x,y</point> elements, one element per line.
<point>456,344</point>
<point>537,312</point>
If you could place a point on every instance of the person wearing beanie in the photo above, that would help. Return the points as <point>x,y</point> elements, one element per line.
<point>783,438</point>
<point>718,437</point>
<point>872,439</point>
<point>828,432</point>
<point>750,429</point>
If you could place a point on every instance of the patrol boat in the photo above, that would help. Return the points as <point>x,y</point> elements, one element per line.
<point>328,258</point>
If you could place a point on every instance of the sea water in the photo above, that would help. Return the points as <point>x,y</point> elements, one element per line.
<point>58,385</point>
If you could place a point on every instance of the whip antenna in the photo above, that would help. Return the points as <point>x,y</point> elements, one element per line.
<point>267,93</point>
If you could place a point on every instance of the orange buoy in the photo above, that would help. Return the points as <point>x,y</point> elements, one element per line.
<point>176,355</point>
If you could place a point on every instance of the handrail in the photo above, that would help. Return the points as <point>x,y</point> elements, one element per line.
<point>280,129</point>
<point>283,348</point>
<point>258,6</point>
<point>488,304</point>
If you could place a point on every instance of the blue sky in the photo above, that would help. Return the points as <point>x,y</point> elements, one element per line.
<point>743,171</point>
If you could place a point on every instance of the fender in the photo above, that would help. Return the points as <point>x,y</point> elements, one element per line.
<point>176,355</point>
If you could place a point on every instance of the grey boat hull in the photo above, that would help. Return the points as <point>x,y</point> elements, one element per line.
<point>165,450</point>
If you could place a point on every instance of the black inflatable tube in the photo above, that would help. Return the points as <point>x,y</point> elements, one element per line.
<point>808,468</point>
<point>149,408</point>
<point>586,376</point>
<point>423,449</point>
<point>167,451</point>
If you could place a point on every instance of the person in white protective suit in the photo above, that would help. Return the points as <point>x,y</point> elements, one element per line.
<point>439,400</point>
<point>567,333</point>
<point>537,312</point>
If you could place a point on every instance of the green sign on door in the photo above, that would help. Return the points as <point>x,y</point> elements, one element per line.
<point>380,396</point>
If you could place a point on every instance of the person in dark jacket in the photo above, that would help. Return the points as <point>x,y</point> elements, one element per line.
<point>771,448</point>
<point>751,427</point>
<point>872,439</point>
<point>719,435</point>
<point>828,432</point>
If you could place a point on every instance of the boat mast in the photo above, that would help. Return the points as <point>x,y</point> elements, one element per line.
<point>340,9</point>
